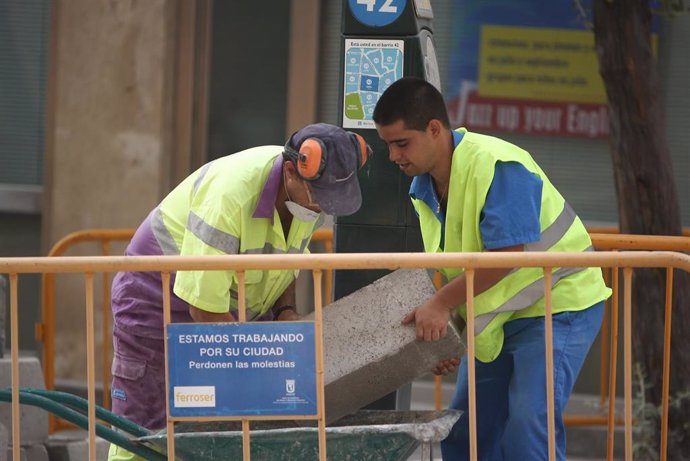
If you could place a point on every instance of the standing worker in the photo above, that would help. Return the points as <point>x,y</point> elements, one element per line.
<point>264,200</point>
<point>477,193</point>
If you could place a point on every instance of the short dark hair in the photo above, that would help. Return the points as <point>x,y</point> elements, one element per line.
<point>414,101</point>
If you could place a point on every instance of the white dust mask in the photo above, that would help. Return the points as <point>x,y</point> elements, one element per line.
<point>301,213</point>
<point>298,211</point>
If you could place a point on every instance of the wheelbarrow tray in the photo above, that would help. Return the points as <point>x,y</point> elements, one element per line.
<point>365,435</point>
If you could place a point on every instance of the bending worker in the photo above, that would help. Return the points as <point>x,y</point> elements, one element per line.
<point>267,199</point>
<point>476,193</point>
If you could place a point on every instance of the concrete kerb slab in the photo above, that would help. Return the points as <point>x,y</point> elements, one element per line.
<point>75,447</point>
<point>33,420</point>
<point>3,313</point>
<point>368,353</point>
<point>36,453</point>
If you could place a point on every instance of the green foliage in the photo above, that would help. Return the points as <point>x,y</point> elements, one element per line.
<point>647,417</point>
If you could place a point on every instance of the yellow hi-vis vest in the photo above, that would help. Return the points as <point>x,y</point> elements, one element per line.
<point>211,213</point>
<point>521,293</point>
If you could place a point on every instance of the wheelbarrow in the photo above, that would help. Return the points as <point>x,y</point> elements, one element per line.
<point>365,435</point>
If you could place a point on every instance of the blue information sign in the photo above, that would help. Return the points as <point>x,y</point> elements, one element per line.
<point>371,66</point>
<point>377,13</point>
<point>242,369</point>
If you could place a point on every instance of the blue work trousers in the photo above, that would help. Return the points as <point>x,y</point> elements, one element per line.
<point>511,390</point>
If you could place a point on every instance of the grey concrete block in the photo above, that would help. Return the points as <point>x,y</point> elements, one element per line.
<point>79,451</point>
<point>36,452</point>
<point>73,445</point>
<point>4,442</point>
<point>368,353</point>
<point>592,441</point>
<point>22,454</point>
<point>58,443</point>
<point>33,420</point>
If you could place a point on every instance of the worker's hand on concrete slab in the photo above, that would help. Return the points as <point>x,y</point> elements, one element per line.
<point>431,320</point>
<point>446,367</point>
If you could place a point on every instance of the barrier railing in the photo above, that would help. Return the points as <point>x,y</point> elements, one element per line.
<point>625,260</point>
<point>609,239</point>
<point>45,328</point>
<point>615,230</point>
<point>604,238</point>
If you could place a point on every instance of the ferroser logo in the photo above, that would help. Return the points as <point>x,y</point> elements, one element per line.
<point>194,396</point>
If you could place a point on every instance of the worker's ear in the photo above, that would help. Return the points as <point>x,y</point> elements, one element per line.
<point>435,127</point>
<point>290,170</point>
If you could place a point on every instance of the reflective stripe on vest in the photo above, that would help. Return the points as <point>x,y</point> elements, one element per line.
<point>270,249</point>
<point>525,297</point>
<point>216,238</point>
<point>555,232</point>
<point>162,234</point>
<point>200,177</point>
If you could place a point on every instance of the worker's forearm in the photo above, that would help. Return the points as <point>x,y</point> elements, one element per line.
<point>454,293</point>
<point>288,296</point>
<point>284,307</point>
<point>202,316</point>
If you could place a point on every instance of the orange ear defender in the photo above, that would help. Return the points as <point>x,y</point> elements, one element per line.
<point>364,149</point>
<point>310,161</point>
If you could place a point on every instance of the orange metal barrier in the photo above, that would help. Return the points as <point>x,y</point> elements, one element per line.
<point>45,329</point>
<point>608,239</point>
<point>615,230</point>
<point>625,260</point>
<point>605,239</point>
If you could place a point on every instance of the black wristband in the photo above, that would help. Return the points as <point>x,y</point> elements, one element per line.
<point>285,307</point>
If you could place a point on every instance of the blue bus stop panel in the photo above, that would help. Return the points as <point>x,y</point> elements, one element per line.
<point>377,13</point>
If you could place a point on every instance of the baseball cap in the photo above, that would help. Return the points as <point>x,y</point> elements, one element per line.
<point>336,190</point>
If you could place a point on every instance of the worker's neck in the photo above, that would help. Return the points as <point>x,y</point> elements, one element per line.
<point>283,212</point>
<point>441,169</point>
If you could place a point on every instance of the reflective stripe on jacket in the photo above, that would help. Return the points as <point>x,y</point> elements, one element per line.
<point>520,294</point>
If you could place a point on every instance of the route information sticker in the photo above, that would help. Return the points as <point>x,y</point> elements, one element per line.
<point>371,66</point>
<point>238,369</point>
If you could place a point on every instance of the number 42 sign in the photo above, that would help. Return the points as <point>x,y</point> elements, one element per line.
<point>377,13</point>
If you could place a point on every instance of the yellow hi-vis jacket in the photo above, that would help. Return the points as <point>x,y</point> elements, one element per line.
<point>211,213</point>
<point>521,293</point>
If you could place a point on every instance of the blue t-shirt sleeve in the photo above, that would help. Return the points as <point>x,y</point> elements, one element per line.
<point>511,211</point>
